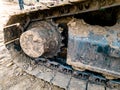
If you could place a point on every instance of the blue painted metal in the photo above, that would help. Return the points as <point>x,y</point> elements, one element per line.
<point>95,50</point>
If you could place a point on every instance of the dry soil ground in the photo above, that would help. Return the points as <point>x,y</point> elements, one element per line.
<point>11,76</point>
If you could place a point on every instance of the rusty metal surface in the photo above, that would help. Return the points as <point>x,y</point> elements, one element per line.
<point>94,48</point>
<point>12,32</point>
<point>63,10</point>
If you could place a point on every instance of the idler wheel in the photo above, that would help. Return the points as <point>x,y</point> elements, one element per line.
<point>40,41</point>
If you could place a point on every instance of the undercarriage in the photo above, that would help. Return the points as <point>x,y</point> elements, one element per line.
<point>79,40</point>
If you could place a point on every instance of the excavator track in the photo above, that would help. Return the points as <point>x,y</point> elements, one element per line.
<point>50,70</point>
<point>68,9</point>
<point>60,74</point>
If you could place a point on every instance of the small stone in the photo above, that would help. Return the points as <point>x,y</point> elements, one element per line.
<point>9,64</point>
